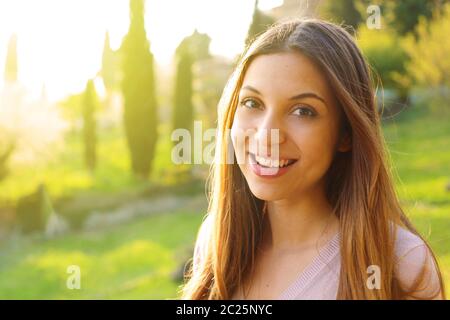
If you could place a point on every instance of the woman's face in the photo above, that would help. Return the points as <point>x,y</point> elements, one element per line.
<point>285,91</point>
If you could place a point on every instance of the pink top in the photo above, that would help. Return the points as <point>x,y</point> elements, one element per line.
<point>320,279</point>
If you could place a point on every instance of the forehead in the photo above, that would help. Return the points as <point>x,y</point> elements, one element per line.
<point>286,74</point>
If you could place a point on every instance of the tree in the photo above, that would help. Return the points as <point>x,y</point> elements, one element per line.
<point>11,67</point>
<point>429,52</point>
<point>71,109</point>
<point>5,155</point>
<point>405,14</point>
<point>183,109</point>
<point>7,147</point>
<point>342,11</point>
<point>402,16</point>
<point>260,22</point>
<point>34,211</point>
<point>90,105</point>
<point>138,88</point>
<point>382,50</point>
<point>191,49</point>
<point>197,44</point>
<point>109,70</point>
<point>110,73</point>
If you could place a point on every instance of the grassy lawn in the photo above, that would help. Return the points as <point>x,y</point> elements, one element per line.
<point>420,149</point>
<point>132,261</point>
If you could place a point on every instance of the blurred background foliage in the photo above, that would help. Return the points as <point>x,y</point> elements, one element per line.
<point>87,179</point>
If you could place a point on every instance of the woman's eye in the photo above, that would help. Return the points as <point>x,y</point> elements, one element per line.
<point>304,112</point>
<point>250,103</point>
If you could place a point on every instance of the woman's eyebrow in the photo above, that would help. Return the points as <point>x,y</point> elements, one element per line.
<point>298,96</point>
<point>251,89</point>
<point>308,95</point>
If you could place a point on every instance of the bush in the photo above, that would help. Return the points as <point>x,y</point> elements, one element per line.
<point>429,63</point>
<point>34,210</point>
<point>380,46</point>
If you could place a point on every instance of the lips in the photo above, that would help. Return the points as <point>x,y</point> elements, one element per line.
<point>270,171</point>
<point>271,163</point>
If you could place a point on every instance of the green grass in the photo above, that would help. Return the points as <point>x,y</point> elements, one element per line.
<point>132,261</point>
<point>419,145</point>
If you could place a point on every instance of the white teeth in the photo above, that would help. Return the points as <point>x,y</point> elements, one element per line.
<point>271,163</point>
<point>275,163</point>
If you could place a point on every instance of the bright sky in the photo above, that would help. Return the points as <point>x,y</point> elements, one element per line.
<point>60,42</point>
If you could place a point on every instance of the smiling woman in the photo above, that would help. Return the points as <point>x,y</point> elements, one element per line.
<point>324,221</point>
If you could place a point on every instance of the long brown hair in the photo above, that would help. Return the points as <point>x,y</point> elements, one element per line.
<point>359,183</point>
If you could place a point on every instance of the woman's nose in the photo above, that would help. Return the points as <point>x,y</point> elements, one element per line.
<point>269,134</point>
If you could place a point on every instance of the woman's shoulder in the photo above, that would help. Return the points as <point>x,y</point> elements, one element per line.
<point>415,266</point>
<point>406,240</point>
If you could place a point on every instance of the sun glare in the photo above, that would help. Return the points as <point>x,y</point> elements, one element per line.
<point>60,42</point>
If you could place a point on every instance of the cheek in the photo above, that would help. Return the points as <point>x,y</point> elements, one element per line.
<point>243,119</point>
<point>243,126</point>
<point>238,138</point>
<point>317,147</point>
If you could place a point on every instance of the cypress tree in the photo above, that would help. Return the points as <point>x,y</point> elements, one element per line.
<point>138,88</point>
<point>183,113</point>
<point>108,71</point>
<point>89,125</point>
<point>344,11</point>
<point>260,22</point>
<point>11,68</point>
<point>192,49</point>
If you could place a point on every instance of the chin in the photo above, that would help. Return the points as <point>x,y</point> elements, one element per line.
<point>266,193</point>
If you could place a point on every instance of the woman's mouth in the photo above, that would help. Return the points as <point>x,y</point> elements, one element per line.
<point>269,168</point>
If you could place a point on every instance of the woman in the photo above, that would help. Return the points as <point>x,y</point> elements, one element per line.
<point>308,210</point>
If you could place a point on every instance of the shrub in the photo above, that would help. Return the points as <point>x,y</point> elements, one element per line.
<point>34,210</point>
<point>386,56</point>
<point>429,62</point>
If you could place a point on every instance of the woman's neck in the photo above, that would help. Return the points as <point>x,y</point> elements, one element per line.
<point>299,222</point>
